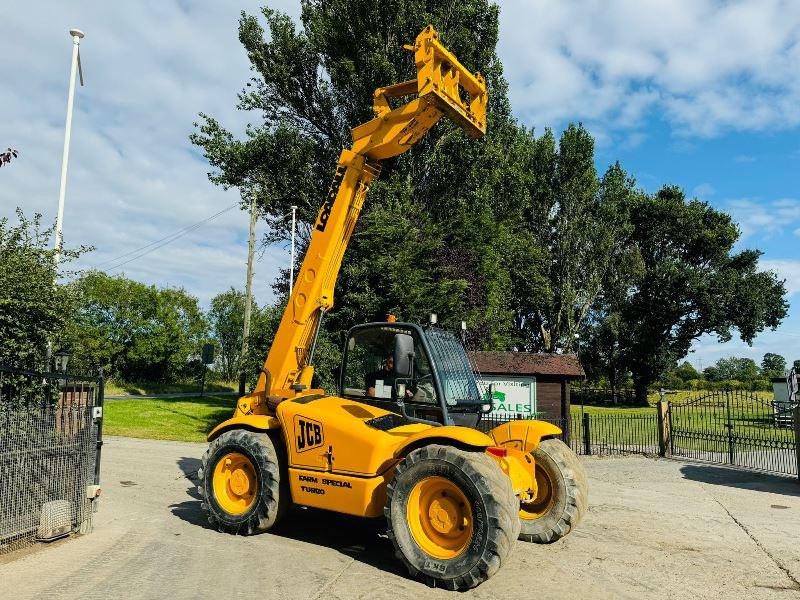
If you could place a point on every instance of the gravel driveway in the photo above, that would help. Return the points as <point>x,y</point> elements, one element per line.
<point>655,529</point>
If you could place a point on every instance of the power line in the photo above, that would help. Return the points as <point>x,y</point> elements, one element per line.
<point>160,243</point>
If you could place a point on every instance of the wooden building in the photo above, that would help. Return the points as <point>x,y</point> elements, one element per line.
<point>529,385</point>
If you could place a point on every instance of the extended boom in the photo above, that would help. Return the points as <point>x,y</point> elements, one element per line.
<point>442,87</point>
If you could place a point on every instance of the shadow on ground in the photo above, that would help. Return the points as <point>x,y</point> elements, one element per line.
<point>748,480</point>
<point>363,540</point>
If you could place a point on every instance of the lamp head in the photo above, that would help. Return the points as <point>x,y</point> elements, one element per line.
<point>76,33</point>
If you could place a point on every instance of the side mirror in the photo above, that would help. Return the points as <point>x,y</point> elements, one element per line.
<point>403,354</point>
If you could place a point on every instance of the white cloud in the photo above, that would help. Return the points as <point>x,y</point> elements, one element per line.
<point>705,66</point>
<point>744,158</point>
<point>703,191</point>
<point>788,269</point>
<point>149,68</point>
<point>764,218</point>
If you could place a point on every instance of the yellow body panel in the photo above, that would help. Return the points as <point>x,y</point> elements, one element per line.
<point>253,422</point>
<point>523,435</point>
<point>339,462</point>
<point>331,434</point>
<point>360,496</point>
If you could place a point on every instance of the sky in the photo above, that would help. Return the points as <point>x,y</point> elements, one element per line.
<point>704,94</point>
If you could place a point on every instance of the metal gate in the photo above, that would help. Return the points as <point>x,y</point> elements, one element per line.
<point>50,438</point>
<point>734,427</point>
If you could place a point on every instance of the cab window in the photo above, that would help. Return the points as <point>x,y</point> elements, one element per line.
<point>369,368</point>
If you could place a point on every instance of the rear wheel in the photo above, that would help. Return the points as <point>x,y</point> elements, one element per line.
<point>562,497</point>
<point>452,516</point>
<point>243,482</point>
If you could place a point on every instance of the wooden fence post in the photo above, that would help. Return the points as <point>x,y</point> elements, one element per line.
<point>663,427</point>
<point>796,420</point>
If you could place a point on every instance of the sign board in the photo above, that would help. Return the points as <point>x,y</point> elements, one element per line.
<point>513,396</point>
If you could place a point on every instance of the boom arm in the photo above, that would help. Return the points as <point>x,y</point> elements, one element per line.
<point>443,86</point>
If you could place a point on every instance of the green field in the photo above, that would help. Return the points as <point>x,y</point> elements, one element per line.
<point>181,419</point>
<point>118,388</point>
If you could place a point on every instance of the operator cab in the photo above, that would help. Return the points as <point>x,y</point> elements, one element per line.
<point>422,373</point>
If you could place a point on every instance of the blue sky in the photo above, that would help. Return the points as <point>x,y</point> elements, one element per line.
<point>700,93</point>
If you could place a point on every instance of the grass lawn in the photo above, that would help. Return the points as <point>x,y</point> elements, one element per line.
<point>118,388</point>
<point>181,419</point>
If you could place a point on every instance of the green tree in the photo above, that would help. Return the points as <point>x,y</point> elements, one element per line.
<point>34,308</point>
<point>441,224</point>
<point>620,268</point>
<point>693,284</point>
<point>733,368</point>
<point>567,213</point>
<point>686,372</point>
<point>226,317</point>
<point>134,331</point>
<point>773,365</point>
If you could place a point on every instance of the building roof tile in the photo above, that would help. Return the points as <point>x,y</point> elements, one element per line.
<point>527,363</point>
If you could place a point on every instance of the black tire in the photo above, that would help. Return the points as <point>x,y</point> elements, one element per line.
<point>570,491</point>
<point>268,456</point>
<point>494,515</point>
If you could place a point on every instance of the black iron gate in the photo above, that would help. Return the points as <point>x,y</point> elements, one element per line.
<point>734,427</point>
<point>50,439</point>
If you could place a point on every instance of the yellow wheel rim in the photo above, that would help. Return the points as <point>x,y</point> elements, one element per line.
<point>235,484</point>
<point>544,497</point>
<point>439,517</point>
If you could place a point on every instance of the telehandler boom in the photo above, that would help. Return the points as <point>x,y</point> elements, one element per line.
<point>386,444</point>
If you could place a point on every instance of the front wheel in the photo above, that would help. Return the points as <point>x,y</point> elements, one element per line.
<point>244,482</point>
<point>452,516</point>
<point>563,495</point>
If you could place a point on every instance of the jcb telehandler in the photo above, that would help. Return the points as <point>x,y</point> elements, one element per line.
<point>387,443</point>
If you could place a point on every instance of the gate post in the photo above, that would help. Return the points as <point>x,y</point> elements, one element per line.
<point>663,427</point>
<point>796,420</point>
<point>731,450</point>
<point>587,439</point>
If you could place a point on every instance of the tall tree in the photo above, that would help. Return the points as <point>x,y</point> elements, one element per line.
<point>620,270</point>
<point>34,307</point>
<point>134,331</point>
<point>226,317</point>
<point>686,372</point>
<point>733,368</point>
<point>441,221</point>
<point>773,365</point>
<point>693,284</point>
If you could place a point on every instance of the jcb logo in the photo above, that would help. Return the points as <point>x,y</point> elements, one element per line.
<point>327,206</point>
<point>308,433</point>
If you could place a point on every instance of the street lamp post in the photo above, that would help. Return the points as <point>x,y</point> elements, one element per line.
<point>76,34</point>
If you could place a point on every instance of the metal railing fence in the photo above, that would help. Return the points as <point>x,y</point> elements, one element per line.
<point>50,437</point>
<point>598,435</point>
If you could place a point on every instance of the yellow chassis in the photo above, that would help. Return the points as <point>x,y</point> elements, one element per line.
<point>342,453</point>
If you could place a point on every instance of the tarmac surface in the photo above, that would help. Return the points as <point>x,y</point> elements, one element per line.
<point>655,529</point>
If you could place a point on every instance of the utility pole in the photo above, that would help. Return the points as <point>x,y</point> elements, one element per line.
<point>291,265</point>
<point>76,34</point>
<point>248,294</point>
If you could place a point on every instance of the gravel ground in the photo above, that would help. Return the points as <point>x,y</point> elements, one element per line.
<point>655,529</point>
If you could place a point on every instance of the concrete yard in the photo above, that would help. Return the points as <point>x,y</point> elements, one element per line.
<point>656,529</point>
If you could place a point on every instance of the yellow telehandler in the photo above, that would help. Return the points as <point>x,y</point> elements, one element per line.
<point>392,442</point>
